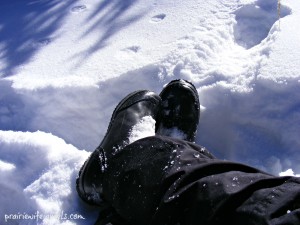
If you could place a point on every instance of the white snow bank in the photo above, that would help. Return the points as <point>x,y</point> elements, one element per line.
<point>289,172</point>
<point>38,172</point>
<point>85,42</point>
<point>65,65</point>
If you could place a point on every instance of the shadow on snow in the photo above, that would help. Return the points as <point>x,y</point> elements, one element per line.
<point>26,26</point>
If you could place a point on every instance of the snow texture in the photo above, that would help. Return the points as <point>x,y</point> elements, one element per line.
<point>65,65</point>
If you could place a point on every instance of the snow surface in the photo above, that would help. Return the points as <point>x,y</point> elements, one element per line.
<point>64,66</point>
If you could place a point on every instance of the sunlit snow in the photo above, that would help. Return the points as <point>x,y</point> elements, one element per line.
<point>65,65</point>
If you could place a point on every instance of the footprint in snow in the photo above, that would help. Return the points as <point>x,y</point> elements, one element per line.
<point>134,48</point>
<point>43,42</point>
<point>158,18</point>
<point>254,22</point>
<point>78,8</point>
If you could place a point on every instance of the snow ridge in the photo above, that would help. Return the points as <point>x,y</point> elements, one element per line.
<point>62,74</point>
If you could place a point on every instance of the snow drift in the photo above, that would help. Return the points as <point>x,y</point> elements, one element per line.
<point>64,66</point>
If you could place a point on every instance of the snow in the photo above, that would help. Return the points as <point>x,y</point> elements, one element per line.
<point>144,128</point>
<point>65,65</point>
<point>289,172</point>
